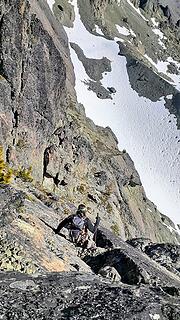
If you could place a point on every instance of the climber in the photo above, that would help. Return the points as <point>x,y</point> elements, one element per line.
<point>78,225</point>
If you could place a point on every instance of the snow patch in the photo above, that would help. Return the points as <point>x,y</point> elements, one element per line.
<point>159,33</point>
<point>141,126</point>
<point>155,316</point>
<point>123,30</point>
<point>171,229</point>
<point>169,96</point>
<point>51,3</point>
<point>161,37</point>
<point>132,33</point>
<point>162,67</point>
<point>98,30</point>
<point>155,23</point>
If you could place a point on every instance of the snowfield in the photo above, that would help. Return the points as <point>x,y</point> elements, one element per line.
<point>145,129</point>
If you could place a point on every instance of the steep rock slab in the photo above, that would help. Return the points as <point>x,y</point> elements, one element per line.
<point>33,76</point>
<point>77,295</point>
<point>166,254</point>
<point>28,243</point>
<point>43,127</point>
<point>133,266</point>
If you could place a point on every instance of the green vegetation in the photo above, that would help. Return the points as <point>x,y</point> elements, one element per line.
<point>6,173</point>
<point>21,143</point>
<point>109,208</point>
<point>115,229</point>
<point>81,188</point>
<point>24,174</point>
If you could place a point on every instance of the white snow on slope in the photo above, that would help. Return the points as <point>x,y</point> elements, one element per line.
<point>123,30</point>
<point>161,67</point>
<point>160,34</point>
<point>141,126</point>
<point>155,23</point>
<point>98,30</point>
<point>51,3</point>
<point>132,33</point>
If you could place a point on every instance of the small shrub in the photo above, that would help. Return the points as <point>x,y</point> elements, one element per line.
<point>66,211</point>
<point>24,174</point>
<point>21,144</point>
<point>6,173</point>
<point>109,208</point>
<point>115,229</point>
<point>81,188</point>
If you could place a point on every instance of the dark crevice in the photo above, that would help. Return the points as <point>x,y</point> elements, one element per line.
<point>8,155</point>
<point>2,71</point>
<point>12,94</point>
<point>61,135</point>
<point>63,183</point>
<point>60,8</point>
<point>45,161</point>
<point>166,11</point>
<point>92,198</point>
<point>48,175</point>
<point>22,76</point>
<point>16,119</point>
<point>172,291</point>
<point>56,180</point>
<point>126,267</point>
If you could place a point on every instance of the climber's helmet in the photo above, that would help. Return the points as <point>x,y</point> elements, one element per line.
<point>81,211</point>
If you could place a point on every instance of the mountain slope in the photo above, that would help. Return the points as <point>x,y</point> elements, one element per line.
<point>43,127</point>
<point>126,65</point>
<point>52,158</point>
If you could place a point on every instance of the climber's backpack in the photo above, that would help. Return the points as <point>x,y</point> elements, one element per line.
<point>77,223</point>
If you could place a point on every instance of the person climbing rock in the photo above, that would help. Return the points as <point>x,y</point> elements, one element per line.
<point>78,225</point>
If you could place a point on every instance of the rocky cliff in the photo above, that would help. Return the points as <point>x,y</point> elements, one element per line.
<point>52,157</point>
<point>43,127</point>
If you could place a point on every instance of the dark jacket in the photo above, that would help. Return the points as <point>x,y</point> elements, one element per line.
<point>68,223</point>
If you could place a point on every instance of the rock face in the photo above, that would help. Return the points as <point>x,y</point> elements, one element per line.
<point>78,295</point>
<point>33,81</point>
<point>43,127</point>
<point>167,255</point>
<point>129,283</point>
<point>73,161</point>
<point>28,243</point>
<point>133,268</point>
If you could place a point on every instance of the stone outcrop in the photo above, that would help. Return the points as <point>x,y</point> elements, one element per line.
<point>165,254</point>
<point>79,295</point>
<point>128,283</point>
<point>133,267</point>
<point>34,82</point>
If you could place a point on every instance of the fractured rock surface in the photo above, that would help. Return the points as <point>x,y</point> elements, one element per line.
<point>77,295</point>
